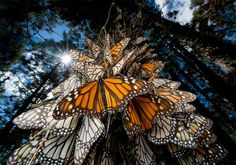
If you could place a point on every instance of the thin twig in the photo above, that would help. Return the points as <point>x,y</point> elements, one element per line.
<point>108,17</point>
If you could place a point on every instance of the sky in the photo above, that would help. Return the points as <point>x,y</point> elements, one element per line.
<point>185,13</point>
<point>57,33</point>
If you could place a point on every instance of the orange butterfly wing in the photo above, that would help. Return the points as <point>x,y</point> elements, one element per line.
<point>178,97</point>
<point>148,67</point>
<point>119,91</point>
<point>142,110</point>
<point>150,70</point>
<point>118,48</point>
<point>93,98</point>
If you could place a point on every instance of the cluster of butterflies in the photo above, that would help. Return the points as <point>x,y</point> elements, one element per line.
<point>114,109</point>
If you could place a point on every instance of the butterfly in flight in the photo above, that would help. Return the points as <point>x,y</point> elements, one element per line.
<point>96,97</point>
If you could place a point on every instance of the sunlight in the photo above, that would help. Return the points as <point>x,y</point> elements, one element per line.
<point>66,58</point>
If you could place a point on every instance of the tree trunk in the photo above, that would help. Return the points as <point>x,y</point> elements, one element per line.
<point>27,102</point>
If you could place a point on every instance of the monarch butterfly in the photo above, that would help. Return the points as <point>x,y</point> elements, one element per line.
<point>189,128</point>
<point>142,152</point>
<point>89,132</point>
<point>90,71</point>
<point>211,153</point>
<point>113,55</point>
<point>176,150</point>
<point>198,124</point>
<point>195,123</point>
<point>151,69</point>
<point>117,50</point>
<point>185,108</point>
<point>95,49</point>
<point>183,136</point>
<point>24,154</point>
<point>57,149</point>
<point>41,117</point>
<point>142,110</point>
<point>186,156</point>
<point>81,62</point>
<point>79,57</point>
<point>36,118</point>
<point>94,72</point>
<point>66,126</point>
<point>79,67</point>
<point>94,97</point>
<point>178,97</point>
<point>66,86</point>
<point>206,138</point>
<point>176,132</point>
<point>166,83</point>
<point>163,130</point>
<point>203,155</point>
<point>120,64</point>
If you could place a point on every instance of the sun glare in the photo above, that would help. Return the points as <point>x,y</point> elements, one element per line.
<point>66,58</point>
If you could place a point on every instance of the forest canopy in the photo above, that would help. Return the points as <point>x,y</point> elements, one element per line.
<point>194,39</point>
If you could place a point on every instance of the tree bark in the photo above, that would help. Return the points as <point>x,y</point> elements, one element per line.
<point>217,82</point>
<point>185,33</point>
